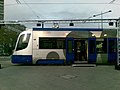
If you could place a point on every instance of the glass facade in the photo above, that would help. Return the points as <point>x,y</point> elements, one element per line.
<point>1,9</point>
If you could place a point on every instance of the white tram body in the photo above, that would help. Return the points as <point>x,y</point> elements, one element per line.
<point>31,48</point>
<point>58,46</point>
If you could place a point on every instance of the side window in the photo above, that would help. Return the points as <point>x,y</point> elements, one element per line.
<point>92,46</point>
<point>70,46</point>
<point>23,41</point>
<point>112,46</point>
<point>101,46</point>
<point>51,43</point>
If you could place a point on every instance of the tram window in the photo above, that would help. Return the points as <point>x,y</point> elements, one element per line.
<point>23,41</point>
<point>51,43</point>
<point>70,46</point>
<point>101,46</point>
<point>92,46</point>
<point>112,46</point>
<point>105,44</point>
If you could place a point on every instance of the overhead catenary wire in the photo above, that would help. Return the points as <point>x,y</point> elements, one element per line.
<point>111,2</point>
<point>52,3</point>
<point>32,10</point>
<point>19,2</point>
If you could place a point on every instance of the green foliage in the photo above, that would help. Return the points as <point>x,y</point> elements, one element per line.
<point>8,38</point>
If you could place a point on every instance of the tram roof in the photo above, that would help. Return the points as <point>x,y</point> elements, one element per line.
<point>68,29</point>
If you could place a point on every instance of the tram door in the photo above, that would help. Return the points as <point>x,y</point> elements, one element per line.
<point>69,50</point>
<point>112,50</point>
<point>80,50</point>
<point>92,55</point>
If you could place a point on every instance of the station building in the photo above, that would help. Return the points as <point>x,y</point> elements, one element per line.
<point>1,9</point>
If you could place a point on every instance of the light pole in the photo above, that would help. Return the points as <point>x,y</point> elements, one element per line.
<point>101,14</point>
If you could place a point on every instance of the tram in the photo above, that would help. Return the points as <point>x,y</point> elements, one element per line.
<point>66,46</point>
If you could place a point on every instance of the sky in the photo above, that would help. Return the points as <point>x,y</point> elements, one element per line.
<point>60,9</point>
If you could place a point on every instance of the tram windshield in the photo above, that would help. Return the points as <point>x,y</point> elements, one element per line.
<point>23,41</point>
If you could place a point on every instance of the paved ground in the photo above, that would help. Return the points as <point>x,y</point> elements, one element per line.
<point>19,77</point>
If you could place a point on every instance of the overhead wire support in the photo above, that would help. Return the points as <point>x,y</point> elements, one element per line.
<point>58,3</point>
<point>64,3</point>
<point>102,13</point>
<point>57,20</point>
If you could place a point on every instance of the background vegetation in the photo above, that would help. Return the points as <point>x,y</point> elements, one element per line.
<point>8,37</point>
